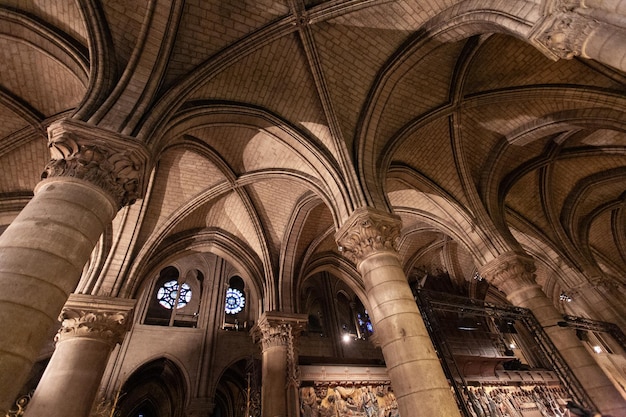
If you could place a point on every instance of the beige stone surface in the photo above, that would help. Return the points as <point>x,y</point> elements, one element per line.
<point>488,127</point>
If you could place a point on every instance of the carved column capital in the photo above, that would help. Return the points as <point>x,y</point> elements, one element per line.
<point>101,318</point>
<point>115,163</point>
<point>510,271</point>
<point>563,33</point>
<point>563,5</point>
<point>368,231</point>
<point>277,329</point>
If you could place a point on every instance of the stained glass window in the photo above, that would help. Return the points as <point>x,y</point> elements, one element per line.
<point>364,322</point>
<point>170,290</point>
<point>235,301</point>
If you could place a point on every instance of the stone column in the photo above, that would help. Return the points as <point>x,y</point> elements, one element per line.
<point>278,333</point>
<point>513,274</point>
<point>43,251</point>
<point>570,29</point>
<point>91,327</point>
<point>417,378</point>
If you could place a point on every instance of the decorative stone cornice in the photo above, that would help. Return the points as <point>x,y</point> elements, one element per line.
<point>345,375</point>
<point>278,329</point>
<point>510,271</point>
<point>100,318</point>
<point>117,164</point>
<point>368,231</point>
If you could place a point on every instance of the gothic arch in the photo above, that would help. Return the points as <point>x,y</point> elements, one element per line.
<point>159,385</point>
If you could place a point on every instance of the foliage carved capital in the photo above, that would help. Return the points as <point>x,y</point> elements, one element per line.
<point>114,163</point>
<point>367,232</point>
<point>563,34</point>
<point>103,319</point>
<point>510,271</point>
<point>565,5</point>
<point>278,329</point>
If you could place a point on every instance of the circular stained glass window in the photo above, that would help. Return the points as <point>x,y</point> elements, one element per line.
<point>168,293</point>
<point>235,301</point>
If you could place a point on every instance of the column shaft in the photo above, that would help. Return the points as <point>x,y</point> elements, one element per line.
<point>70,383</point>
<point>594,381</point>
<point>91,174</point>
<point>274,371</point>
<point>91,327</point>
<point>42,254</point>
<point>278,334</point>
<point>414,369</point>
<point>514,275</point>
<point>419,384</point>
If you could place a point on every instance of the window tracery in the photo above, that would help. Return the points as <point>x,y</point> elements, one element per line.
<point>235,301</point>
<point>172,294</point>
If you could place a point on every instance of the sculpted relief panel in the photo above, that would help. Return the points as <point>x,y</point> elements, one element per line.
<point>348,400</point>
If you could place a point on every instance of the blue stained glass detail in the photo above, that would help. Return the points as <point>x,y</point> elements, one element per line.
<point>235,301</point>
<point>170,290</point>
<point>364,322</point>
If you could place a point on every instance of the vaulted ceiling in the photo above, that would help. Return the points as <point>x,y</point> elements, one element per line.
<point>270,121</point>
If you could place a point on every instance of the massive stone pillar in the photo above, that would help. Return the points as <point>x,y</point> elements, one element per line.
<point>417,377</point>
<point>278,334</point>
<point>513,274</point>
<point>43,251</point>
<point>91,327</point>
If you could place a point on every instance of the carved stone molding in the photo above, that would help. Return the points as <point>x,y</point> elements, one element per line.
<point>510,271</point>
<point>112,162</point>
<point>565,5</point>
<point>368,231</point>
<point>278,329</point>
<point>104,319</point>
<point>564,33</point>
<point>347,375</point>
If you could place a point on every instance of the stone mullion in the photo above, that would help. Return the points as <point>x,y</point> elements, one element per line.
<point>369,240</point>
<point>92,174</point>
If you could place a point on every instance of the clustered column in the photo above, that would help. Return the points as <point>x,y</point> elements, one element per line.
<point>513,274</point>
<point>278,334</point>
<point>421,388</point>
<point>91,327</point>
<point>91,175</point>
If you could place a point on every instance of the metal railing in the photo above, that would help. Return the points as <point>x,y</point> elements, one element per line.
<point>430,303</point>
